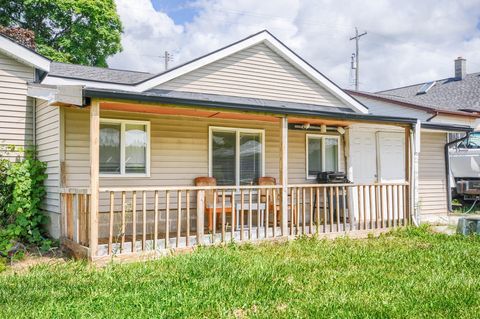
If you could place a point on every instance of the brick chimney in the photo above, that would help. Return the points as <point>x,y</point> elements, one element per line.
<point>22,36</point>
<point>460,68</point>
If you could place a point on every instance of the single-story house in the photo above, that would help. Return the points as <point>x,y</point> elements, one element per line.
<point>239,144</point>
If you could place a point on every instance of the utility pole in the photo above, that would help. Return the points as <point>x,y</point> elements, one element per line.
<point>357,67</point>
<point>167,57</point>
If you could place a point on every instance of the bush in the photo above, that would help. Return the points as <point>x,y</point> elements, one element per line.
<point>21,194</point>
<point>3,264</point>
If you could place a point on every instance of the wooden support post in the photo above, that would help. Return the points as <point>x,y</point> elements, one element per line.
<point>200,216</point>
<point>187,201</point>
<point>110,223</point>
<point>94,172</point>
<point>167,219</point>
<point>122,240</point>
<point>155,218</point>
<point>179,217</point>
<point>284,174</point>
<point>407,194</point>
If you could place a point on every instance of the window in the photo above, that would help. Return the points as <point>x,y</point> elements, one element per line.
<point>425,87</point>
<point>124,148</point>
<point>236,155</point>
<point>322,154</point>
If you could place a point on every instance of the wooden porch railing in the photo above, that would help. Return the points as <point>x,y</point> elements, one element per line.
<point>75,215</point>
<point>155,219</point>
<point>346,207</point>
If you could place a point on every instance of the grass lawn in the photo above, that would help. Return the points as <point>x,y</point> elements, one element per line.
<point>409,273</point>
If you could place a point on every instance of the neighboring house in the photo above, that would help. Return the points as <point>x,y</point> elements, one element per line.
<point>459,93</point>
<point>124,150</point>
<point>444,106</point>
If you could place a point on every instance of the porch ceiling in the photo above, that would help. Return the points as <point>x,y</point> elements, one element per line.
<point>165,109</point>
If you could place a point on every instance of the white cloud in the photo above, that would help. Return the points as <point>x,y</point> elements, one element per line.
<point>147,34</point>
<point>408,41</point>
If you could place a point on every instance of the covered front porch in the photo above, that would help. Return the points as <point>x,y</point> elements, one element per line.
<point>265,165</point>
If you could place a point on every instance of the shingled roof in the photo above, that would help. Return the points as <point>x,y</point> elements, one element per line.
<point>446,95</point>
<point>97,74</point>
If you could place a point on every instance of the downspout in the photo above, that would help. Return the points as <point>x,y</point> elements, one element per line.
<point>447,169</point>
<point>34,127</point>
<point>432,117</point>
<point>414,158</point>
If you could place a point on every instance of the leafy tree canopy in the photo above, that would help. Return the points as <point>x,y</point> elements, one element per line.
<point>75,31</point>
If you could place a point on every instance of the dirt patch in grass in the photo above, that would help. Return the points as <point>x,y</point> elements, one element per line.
<point>32,258</point>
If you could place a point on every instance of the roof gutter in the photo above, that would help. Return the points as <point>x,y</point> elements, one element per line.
<point>447,127</point>
<point>91,93</point>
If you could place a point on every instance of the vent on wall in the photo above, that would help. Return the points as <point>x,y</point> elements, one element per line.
<point>424,88</point>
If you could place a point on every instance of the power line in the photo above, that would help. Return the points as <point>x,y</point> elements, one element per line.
<point>357,59</point>
<point>295,21</point>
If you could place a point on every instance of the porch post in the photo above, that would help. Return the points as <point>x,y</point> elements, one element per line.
<point>284,172</point>
<point>408,193</point>
<point>414,174</point>
<point>94,172</point>
<point>200,216</point>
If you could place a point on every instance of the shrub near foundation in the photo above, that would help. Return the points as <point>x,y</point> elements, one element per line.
<point>21,193</point>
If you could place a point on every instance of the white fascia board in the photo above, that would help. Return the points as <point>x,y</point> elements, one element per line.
<point>23,54</point>
<point>54,95</point>
<point>54,80</point>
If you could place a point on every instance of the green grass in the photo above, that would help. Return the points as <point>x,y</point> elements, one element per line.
<point>409,273</point>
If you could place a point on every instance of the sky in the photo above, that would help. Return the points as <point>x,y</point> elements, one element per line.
<point>407,41</point>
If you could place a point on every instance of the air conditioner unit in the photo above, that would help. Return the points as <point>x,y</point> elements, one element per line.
<point>468,225</point>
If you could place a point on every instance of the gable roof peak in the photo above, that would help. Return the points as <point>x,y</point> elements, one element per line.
<point>263,36</point>
<point>275,45</point>
<point>23,54</point>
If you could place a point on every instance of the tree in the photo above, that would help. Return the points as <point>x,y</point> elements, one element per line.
<point>75,31</point>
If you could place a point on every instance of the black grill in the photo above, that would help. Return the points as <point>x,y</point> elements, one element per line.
<point>332,177</point>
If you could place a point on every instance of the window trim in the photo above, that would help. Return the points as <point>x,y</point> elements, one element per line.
<point>123,124</point>
<point>320,137</point>
<point>237,131</point>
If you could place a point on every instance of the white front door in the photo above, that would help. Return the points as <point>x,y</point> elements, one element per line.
<point>391,157</point>
<point>363,157</point>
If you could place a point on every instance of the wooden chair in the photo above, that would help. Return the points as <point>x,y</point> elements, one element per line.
<point>270,181</point>
<point>209,200</point>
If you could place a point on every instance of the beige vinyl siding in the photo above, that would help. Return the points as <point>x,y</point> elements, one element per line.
<point>179,149</point>
<point>256,72</point>
<point>48,151</point>
<point>16,127</point>
<point>432,180</point>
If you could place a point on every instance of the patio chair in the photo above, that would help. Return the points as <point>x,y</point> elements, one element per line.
<point>270,181</point>
<point>209,200</point>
